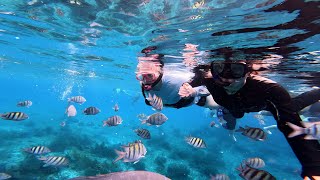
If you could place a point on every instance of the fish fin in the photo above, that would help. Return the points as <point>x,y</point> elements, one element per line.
<point>241,129</point>
<point>157,125</point>
<point>136,162</point>
<point>309,137</point>
<point>296,130</point>
<point>104,123</point>
<point>46,165</point>
<point>42,158</point>
<point>268,131</point>
<point>120,154</point>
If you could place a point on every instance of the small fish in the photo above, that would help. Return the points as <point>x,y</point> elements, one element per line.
<point>71,111</point>
<point>253,133</point>
<point>220,177</point>
<point>155,119</point>
<point>144,133</point>
<point>4,176</point>
<point>63,124</point>
<point>77,99</point>
<point>113,121</point>
<point>37,150</point>
<point>91,111</point>
<point>24,103</point>
<point>249,173</point>
<point>311,129</point>
<point>116,107</point>
<point>254,162</point>
<point>14,116</point>
<point>155,101</point>
<point>133,152</point>
<point>54,161</point>
<point>195,142</point>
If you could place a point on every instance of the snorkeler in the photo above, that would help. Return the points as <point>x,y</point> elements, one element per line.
<point>233,87</point>
<point>155,81</point>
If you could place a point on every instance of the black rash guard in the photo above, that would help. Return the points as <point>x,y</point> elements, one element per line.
<point>263,94</point>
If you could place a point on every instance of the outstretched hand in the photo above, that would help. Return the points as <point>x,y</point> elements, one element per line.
<point>186,91</point>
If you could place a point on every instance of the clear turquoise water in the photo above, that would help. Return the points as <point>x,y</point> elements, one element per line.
<point>44,58</point>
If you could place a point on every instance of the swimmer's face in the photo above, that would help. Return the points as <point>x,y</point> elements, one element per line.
<point>233,85</point>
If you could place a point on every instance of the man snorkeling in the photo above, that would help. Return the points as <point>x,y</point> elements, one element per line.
<point>234,87</point>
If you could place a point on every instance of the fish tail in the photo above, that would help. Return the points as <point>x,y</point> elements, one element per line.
<point>120,154</point>
<point>308,124</point>
<point>69,99</point>
<point>42,158</point>
<point>241,129</point>
<point>143,121</point>
<point>296,130</point>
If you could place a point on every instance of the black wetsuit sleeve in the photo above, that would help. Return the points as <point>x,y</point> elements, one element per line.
<point>305,99</point>
<point>307,151</point>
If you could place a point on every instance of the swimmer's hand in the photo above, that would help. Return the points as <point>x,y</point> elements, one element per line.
<point>186,91</point>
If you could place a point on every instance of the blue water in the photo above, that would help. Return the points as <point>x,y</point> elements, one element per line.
<point>49,52</point>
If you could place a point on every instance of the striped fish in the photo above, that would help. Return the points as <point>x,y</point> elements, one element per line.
<point>37,150</point>
<point>91,111</point>
<point>254,162</point>
<point>312,130</point>
<point>220,177</point>
<point>195,142</point>
<point>54,161</point>
<point>133,152</point>
<point>155,101</point>
<point>77,99</point>
<point>14,116</point>
<point>253,133</point>
<point>155,119</point>
<point>24,103</point>
<point>112,121</point>
<point>144,133</point>
<point>249,173</point>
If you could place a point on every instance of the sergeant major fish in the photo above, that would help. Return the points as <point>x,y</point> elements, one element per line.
<point>155,119</point>
<point>91,111</point>
<point>132,152</point>
<point>37,150</point>
<point>195,142</point>
<point>14,116</point>
<point>254,162</point>
<point>144,133</point>
<point>24,103</point>
<point>54,161</point>
<point>77,99</point>
<point>253,133</point>
<point>249,173</point>
<point>155,102</point>
<point>311,129</point>
<point>113,121</point>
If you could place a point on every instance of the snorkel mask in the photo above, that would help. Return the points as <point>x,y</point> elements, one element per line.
<point>229,71</point>
<point>148,80</point>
